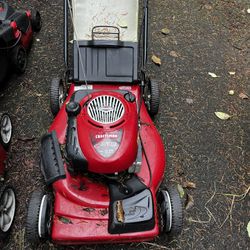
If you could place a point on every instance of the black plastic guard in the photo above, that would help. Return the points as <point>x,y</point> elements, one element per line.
<point>75,155</point>
<point>131,207</point>
<point>51,159</point>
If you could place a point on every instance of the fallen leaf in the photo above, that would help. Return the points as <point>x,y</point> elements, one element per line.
<point>208,6</point>
<point>248,229</point>
<point>180,190</point>
<point>104,212</point>
<point>88,209</point>
<point>189,202</point>
<point>222,115</point>
<point>123,24</point>
<point>189,184</point>
<point>65,220</point>
<point>231,92</point>
<point>243,96</point>
<point>165,31</point>
<point>213,75</point>
<point>173,54</point>
<point>156,60</point>
<point>232,73</point>
<point>189,100</point>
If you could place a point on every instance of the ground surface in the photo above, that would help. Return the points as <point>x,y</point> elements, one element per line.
<point>206,36</point>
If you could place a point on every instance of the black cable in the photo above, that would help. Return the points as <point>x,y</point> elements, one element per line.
<point>149,168</point>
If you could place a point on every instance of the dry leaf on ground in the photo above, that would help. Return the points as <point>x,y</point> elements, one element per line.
<point>189,100</point>
<point>208,7</point>
<point>213,74</point>
<point>243,96</point>
<point>156,60</point>
<point>189,202</point>
<point>189,184</point>
<point>180,190</point>
<point>174,54</point>
<point>222,115</point>
<point>165,31</point>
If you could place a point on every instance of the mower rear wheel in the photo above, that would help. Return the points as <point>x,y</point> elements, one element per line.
<point>4,67</point>
<point>38,220</point>
<point>171,210</point>
<point>36,21</point>
<point>152,96</point>
<point>7,210</point>
<point>5,130</point>
<point>57,95</point>
<point>19,59</point>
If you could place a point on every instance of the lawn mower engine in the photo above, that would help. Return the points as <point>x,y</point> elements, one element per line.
<point>102,134</point>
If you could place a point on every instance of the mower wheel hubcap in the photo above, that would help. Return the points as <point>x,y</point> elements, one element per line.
<point>7,209</point>
<point>44,217</point>
<point>166,209</point>
<point>6,129</point>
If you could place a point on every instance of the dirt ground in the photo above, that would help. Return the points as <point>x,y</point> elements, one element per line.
<point>205,36</point>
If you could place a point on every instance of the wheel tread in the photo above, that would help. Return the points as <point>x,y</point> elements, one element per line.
<point>54,96</point>
<point>177,211</point>
<point>33,217</point>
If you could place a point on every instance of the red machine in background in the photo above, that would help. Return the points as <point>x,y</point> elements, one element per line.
<point>16,33</point>
<point>7,193</point>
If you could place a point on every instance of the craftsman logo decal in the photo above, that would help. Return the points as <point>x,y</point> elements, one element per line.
<point>101,136</point>
<point>107,144</point>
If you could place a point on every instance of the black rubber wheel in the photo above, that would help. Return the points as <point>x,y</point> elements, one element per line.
<point>6,130</point>
<point>7,210</point>
<point>36,21</point>
<point>4,67</point>
<point>38,220</point>
<point>19,59</point>
<point>57,95</point>
<point>152,96</point>
<point>171,210</point>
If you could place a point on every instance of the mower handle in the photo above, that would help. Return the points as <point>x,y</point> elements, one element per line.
<point>116,33</point>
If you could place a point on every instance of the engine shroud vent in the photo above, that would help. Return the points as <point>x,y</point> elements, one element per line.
<point>105,109</point>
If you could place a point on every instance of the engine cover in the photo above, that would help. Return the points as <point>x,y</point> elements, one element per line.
<point>108,130</point>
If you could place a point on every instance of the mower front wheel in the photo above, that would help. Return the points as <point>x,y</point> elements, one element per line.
<point>36,21</point>
<point>38,222</point>
<point>19,59</point>
<point>5,130</point>
<point>171,211</point>
<point>57,95</point>
<point>4,67</point>
<point>7,210</point>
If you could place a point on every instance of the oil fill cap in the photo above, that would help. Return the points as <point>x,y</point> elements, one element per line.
<point>129,97</point>
<point>73,108</point>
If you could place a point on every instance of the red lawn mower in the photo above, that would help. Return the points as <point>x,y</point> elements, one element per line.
<point>103,157</point>
<point>7,193</point>
<point>16,32</point>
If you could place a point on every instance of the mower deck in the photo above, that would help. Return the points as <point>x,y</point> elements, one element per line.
<point>82,204</point>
